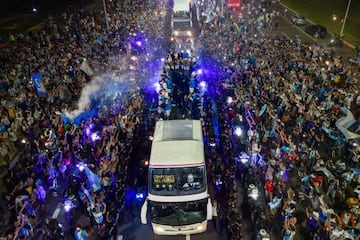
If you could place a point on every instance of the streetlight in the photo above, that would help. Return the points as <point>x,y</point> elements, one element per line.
<point>222,8</point>
<point>105,12</point>
<point>344,21</point>
<point>334,17</point>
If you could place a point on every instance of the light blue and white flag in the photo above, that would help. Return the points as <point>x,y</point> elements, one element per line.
<point>39,84</point>
<point>93,179</point>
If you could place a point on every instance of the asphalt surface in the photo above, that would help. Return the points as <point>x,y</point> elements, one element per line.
<point>291,31</point>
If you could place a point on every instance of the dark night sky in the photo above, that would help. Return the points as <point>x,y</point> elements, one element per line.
<point>25,6</point>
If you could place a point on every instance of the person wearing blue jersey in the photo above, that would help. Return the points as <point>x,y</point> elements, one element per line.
<point>192,84</point>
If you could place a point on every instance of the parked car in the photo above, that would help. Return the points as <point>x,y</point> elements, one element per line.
<point>298,20</point>
<point>317,31</point>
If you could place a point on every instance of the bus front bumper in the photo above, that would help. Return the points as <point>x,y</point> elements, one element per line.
<point>179,230</point>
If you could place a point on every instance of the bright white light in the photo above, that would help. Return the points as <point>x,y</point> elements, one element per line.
<point>34,10</point>
<point>203,84</point>
<point>138,43</point>
<point>23,141</point>
<point>244,160</point>
<point>81,166</point>
<point>159,229</point>
<point>229,100</point>
<point>67,205</point>
<point>163,59</point>
<point>157,87</point>
<point>134,58</point>
<point>254,194</point>
<point>238,131</point>
<point>139,196</point>
<point>94,137</point>
<point>199,71</point>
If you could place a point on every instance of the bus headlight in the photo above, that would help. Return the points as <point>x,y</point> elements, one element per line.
<point>158,229</point>
<point>201,227</point>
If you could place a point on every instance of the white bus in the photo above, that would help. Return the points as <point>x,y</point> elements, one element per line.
<point>182,13</point>
<point>178,199</point>
<point>181,20</point>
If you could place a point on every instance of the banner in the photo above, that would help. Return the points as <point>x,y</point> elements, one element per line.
<point>81,117</point>
<point>86,68</point>
<point>39,84</point>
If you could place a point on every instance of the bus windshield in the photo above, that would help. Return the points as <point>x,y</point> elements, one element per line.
<point>177,181</point>
<point>178,214</point>
<point>181,15</point>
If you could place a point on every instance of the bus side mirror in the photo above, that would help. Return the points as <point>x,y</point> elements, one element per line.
<point>143,212</point>
<point>209,210</point>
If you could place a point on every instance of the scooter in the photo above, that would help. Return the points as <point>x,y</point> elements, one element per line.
<point>263,235</point>
<point>69,204</point>
<point>336,41</point>
<point>53,230</point>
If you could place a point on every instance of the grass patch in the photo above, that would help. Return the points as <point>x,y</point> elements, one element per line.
<point>321,12</point>
<point>19,22</point>
<point>22,24</point>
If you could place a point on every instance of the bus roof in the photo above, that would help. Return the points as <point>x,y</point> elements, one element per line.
<point>177,143</point>
<point>181,5</point>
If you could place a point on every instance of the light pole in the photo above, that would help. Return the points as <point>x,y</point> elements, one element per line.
<point>105,12</point>
<point>344,21</point>
<point>222,8</point>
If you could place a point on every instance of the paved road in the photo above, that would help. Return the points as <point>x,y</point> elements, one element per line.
<point>291,31</point>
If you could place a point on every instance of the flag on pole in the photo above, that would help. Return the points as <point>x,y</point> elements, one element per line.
<point>86,68</point>
<point>262,109</point>
<point>93,179</point>
<point>39,84</point>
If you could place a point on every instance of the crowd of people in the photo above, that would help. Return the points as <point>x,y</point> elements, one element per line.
<point>293,91</point>
<point>61,154</point>
<point>290,94</point>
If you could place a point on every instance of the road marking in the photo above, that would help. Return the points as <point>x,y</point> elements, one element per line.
<point>187,237</point>
<point>285,35</point>
<point>311,22</point>
<point>306,34</point>
<point>295,12</point>
<point>57,211</point>
<point>123,227</point>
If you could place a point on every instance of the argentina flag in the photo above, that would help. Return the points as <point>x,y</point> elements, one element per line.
<point>93,179</point>
<point>39,84</point>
